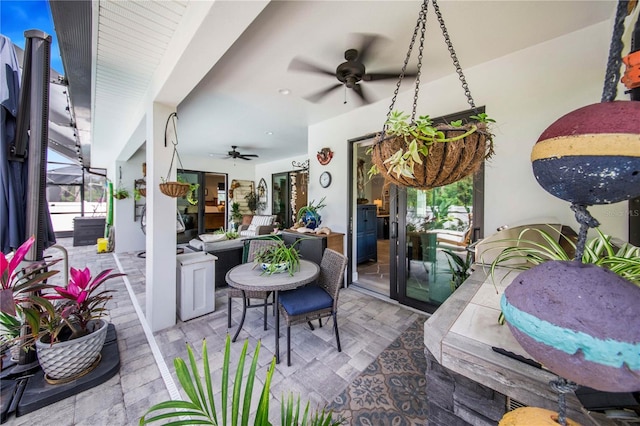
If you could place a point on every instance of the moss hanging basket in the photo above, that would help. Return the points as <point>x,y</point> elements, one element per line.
<point>174,189</point>
<point>447,161</point>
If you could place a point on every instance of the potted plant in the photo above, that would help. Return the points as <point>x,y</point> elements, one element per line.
<point>121,193</point>
<point>65,321</point>
<point>413,154</point>
<point>253,202</point>
<point>308,215</point>
<point>236,216</point>
<point>278,258</point>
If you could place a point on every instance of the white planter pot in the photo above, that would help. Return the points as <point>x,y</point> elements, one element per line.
<point>68,359</point>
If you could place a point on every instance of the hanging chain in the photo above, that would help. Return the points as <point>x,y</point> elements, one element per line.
<point>454,57</point>
<point>423,28</point>
<point>612,74</point>
<point>421,19</point>
<point>421,25</point>
<point>174,142</point>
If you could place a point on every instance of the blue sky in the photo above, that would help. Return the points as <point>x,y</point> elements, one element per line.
<point>17,16</point>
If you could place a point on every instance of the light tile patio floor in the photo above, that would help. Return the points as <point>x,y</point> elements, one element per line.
<point>318,373</point>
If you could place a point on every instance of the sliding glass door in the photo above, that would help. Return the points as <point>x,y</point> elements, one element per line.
<point>419,236</point>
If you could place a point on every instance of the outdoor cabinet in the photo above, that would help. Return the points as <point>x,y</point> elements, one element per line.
<point>87,230</point>
<point>311,246</point>
<point>367,233</point>
<point>196,287</point>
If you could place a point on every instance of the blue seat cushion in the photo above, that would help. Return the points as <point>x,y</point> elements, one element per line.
<point>305,299</point>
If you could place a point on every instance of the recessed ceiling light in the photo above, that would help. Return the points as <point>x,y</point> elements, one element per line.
<point>211,154</point>
<point>269,132</point>
<point>284,91</point>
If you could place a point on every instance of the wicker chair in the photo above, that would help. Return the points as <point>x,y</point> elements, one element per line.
<point>315,301</point>
<point>254,246</point>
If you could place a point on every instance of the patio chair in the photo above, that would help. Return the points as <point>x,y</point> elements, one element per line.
<point>254,246</point>
<point>315,301</point>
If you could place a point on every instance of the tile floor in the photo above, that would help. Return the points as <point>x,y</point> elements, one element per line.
<point>318,373</point>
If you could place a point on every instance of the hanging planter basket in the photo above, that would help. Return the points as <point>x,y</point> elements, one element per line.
<point>174,189</point>
<point>417,153</point>
<point>447,162</point>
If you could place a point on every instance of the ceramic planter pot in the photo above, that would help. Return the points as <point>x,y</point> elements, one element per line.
<point>66,360</point>
<point>311,220</point>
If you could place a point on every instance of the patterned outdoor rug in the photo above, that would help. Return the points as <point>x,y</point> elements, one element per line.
<point>391,391</point>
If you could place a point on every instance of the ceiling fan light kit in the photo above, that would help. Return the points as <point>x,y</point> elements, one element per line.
<point>423,155</point>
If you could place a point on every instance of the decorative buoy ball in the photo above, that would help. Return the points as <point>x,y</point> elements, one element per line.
<point>528,416</point>
<point>591,155</point>
<point>580,321</point>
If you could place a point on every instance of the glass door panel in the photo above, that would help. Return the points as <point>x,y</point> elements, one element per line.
<point>436,221</point>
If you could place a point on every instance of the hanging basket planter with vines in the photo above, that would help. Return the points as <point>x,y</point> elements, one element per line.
<point>417,153</point>
<point>173,189</point>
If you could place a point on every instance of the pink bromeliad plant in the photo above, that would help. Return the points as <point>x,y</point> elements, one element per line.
<point>56,313</point>
<point>21,285</point>
<point>81,301</point>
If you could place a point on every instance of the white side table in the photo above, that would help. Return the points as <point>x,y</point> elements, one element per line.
<point>196,284</point>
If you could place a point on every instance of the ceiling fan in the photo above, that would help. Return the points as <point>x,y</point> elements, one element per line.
<point>350,74</point>
<point>235,154</point>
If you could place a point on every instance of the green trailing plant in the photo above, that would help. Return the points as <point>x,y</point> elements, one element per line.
<point>201,407</point>
<point>121,193</point>
<point>600,251</point>
<point>274,256</point>
<point>253,202</point>
<point>311,208</point>
<point>460,268</point>
<point>236,216</point>
<point>419,136</point>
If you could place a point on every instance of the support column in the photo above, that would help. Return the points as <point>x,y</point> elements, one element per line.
<point>160,224</point>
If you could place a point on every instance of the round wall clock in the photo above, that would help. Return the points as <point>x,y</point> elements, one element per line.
<point>325,179</point>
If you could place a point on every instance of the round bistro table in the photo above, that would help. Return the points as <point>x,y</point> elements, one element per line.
<point>248,277</point>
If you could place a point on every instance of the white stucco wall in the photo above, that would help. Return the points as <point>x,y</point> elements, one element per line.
<point>128,233</point>
<point>525,92</point>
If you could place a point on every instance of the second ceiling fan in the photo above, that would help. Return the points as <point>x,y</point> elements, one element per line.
<point>351,73</point>
<point>235,154</point>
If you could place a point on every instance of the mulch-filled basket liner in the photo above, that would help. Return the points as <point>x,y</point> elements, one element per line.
<point>120,196</point>
<point>143,191</point>
<point>174,189</point>
<point>446,163</point>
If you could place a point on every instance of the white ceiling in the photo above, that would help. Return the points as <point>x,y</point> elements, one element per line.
<point>238,100</point>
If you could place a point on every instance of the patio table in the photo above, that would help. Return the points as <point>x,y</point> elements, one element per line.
<point>247,277</point>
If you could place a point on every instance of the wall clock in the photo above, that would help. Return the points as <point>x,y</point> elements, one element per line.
<point>325,179</point>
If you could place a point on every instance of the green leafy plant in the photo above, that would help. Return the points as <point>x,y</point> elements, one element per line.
<point>253,202</point>
<point>121,193</point>
<point>236,216</point>
<point>201,407</point>
<point>277,257</point>
<point>527,252</point>
<point>419,136</point>
<point>460,268</point>
<point>231,235</point>
<point>312,208</point>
